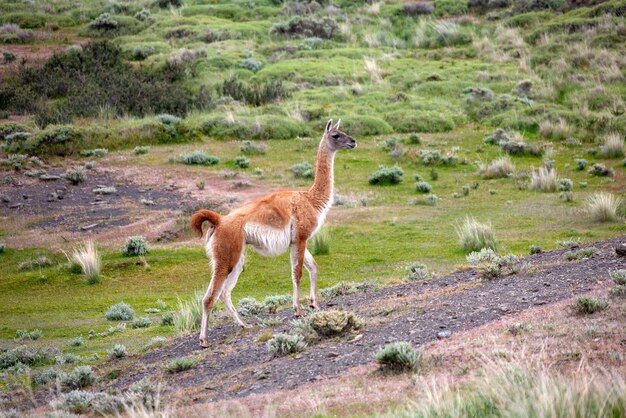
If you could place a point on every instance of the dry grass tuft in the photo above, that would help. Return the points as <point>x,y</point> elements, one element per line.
<point>474,236</point>
<point>87,257</point>
<point>543,180</point>
<point>602,206</point>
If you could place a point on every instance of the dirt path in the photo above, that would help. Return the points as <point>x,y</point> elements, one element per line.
<point>238,366</point>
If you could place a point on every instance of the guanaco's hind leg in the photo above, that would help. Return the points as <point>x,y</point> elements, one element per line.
<point>226,254</point>
<point>231,281</point>
<point>311,266</point>
<point>297,260</point>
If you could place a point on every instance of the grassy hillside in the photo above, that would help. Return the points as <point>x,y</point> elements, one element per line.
<point>469,99</point>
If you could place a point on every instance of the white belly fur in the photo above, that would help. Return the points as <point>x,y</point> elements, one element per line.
<point>266,240</point>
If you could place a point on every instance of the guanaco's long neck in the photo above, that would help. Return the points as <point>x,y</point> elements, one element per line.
<point>321,192</point>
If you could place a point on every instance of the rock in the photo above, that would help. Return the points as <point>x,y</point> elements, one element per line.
<point>356,338</point>
<point>444,334</point>
<point>48,177</point>
<point>620,249</point>
<point>15,206</point>
<point>6,199</point>
<point>88,227</point>
<point>25,196</point>
<point>52,197</point>
<point>332,354</point>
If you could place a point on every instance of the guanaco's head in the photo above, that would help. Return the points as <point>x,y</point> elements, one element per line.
<point>336,139</point>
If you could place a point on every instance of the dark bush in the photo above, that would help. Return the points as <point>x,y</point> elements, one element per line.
<point>255,94</point>
<point>90,79</point>
<point>418,8</point>
<point>387,175</point>
<point>306,27</point>
<point>164,4</point>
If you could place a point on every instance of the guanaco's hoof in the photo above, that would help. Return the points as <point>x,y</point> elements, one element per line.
<point>315,305</point>
<point>300,313</point>
<point>246,326</point>
<point>204,344</point>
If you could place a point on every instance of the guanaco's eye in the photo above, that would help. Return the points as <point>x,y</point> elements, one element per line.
<point>335,136</point>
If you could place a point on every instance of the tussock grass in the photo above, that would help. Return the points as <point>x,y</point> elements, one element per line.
<point>334,322</point>
<point>499,168</point>
<point>543,180</point>
<point>603,206</point>
<point>321,243</point>
<point>188,313</point>
<point>508,388</point>
<point>87,257</point>
<point>474,236</point>
<point>613,146</point>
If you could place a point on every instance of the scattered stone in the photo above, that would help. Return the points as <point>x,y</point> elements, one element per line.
<point>261,375</point>
<point>620,249</point>
<point>25,196</point>
<point>6,199</point>
<point>52,197</point>
<point>88,227</point>
<point>358,337</point>
<point>444,334</point>
<point>332,354</point>
<point>49,177</point>
<point>15,206</point>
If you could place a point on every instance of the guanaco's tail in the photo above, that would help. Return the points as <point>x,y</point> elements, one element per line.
<point>204,215</point>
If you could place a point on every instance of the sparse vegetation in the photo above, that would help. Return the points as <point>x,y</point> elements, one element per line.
<point>181,364</point>
<point>580,254</point>
<point>387,175</point>
<point>399,357</point>
<point>587,306</point>
<point>417,271</point>
<point>117,352</point>
<point>199,158</point>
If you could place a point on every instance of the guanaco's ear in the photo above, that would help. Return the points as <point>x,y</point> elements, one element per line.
<point>329,125</point>
<point>337,125</point>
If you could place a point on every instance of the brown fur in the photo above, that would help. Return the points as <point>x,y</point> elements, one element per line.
<point>276,211</point>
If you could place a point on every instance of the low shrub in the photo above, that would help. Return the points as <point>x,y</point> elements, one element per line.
<point>117,352</point>
<point>242,162</point>
<point>303,170</point>
<point>24,334</point>
<point>199,158</point>
<point>485,255</point>
<point>600,170</point>
<point>29,356</point>
<point>499,266</point>
<point>474,236</point>
<point>306,27</point>
<point>440,33</point>
<point>120,312</point>
<point>167,319</point>
<point>143,322</point>
<point>253,148</point>
<point>417,271</point>
<point>387,175</point>
<point>581,164</point>
<point>398,357</point>
<point>139,150</point>
<point>423,187</point>
<point>251,64</point>
<point>619,277</point>
<point>180,364</point>
<point>80,378</point>
<point>97,152</point>
<point>76,342</point>
<point>75,175</point>
<point>135,245</point>
<point>417,8</point>
<point>254,94</point>
<point>250,307</point>
<point>580,254</point>
<point>565,185</point>
<point>535,249</point>
<point>334,322</point>
<point>284,344</point>
<point>48,375</point>
<point>587,306</point>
